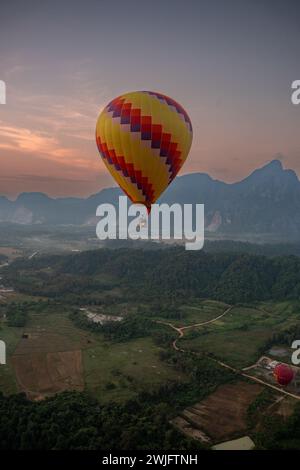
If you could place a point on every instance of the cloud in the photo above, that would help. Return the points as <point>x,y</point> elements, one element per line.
<point>26,140</point>
<point>43,145</point>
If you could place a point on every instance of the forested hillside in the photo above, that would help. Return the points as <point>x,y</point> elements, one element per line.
<point>173,273</point>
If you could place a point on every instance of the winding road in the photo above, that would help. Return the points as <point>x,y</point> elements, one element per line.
<point>182,329</point>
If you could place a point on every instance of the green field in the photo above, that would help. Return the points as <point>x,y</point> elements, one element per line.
<point>119,371</point>
<point>197,311</point>
<point>111,371</point>
<point>238,336</point>
<point>202,311</point>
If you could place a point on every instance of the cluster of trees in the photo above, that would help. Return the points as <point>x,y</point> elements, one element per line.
<point>286,336</point>
<point>133,326</point>
<point>82,321</point>
<point>73,420</point>
<point>277,433</point>
<point>59,286</point>
<point>129,328</point>
<point>16,313</point>
<point>258,406</point>
<point>265,249</point>
<point>204,375</point>
<point>172,273</point>
<point>160,308</point>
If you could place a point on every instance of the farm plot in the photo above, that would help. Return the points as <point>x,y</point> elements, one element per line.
<point>221,415</point>
<point>40,374</point>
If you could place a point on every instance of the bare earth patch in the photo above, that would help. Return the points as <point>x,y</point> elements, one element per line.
<point>43,374</point>
<point>222,414</point>
<point>11,253</point>
<point>189,430</point>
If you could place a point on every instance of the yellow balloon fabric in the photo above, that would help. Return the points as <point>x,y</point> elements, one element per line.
<point>144,139</point>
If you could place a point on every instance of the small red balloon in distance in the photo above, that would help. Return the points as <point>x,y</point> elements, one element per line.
<point>284,374</point>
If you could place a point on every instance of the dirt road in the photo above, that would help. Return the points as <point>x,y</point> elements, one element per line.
<point>182,329</point>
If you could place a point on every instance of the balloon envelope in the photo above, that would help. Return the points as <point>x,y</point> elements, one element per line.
<point>144,139</point>
<point>284,374</point>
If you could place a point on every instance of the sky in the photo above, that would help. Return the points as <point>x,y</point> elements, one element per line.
<point>229,63</point>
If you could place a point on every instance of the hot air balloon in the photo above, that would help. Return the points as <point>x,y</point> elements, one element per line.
<point>144,138</point>
<point>284,374</point>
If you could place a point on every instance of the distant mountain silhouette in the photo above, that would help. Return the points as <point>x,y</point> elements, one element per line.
<point>266,202</point>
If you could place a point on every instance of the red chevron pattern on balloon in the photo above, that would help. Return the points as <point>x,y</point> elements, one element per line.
<point>149,132</point>
<point>173,104</point>
<point>127,170</point>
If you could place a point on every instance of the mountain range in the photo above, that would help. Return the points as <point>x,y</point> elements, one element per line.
<point>267,202</point>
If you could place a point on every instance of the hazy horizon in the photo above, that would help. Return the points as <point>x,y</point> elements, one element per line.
<point>114,185</point>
